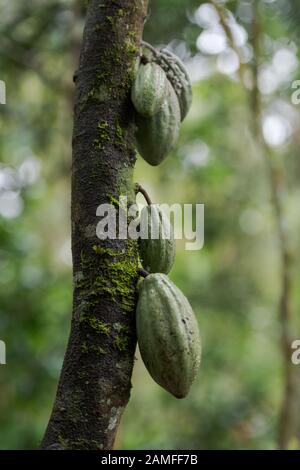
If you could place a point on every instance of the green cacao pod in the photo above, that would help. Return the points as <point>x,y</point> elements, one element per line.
<point>168,334</point>
<point>157,135</point>
<point>179,77</point>
<point>157,244</point>
<point>149,89</point>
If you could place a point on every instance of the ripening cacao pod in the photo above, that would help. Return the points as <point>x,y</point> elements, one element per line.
<point>179,78</point>
<point>157,244</point>
<point>157,135</point>
<point>149,89</point>
<point>168,334</point>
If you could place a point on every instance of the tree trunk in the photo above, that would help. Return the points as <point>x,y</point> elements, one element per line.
<point>95,381</point>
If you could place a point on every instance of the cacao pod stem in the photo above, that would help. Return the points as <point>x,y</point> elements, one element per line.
<point>151,48</point>
<point>140,189</point>
<point>157,53</point>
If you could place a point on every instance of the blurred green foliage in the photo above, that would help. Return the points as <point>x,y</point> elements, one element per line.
<point>233,283</point>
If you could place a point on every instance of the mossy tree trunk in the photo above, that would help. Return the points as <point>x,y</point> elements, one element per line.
<point>95,381</point>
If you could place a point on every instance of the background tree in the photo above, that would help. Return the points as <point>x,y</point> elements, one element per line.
<point>96,375</point>
<point>233,283</point>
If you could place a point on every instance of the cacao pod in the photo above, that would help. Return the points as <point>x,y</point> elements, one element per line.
<point>168,334</point>
<point>149,89</point>
<point>157,135</point>
<point>157,245</point>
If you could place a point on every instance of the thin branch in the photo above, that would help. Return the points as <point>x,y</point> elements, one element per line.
<point>224,22</point>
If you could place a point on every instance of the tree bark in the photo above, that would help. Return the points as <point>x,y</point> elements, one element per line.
<point>277,181</point>
<point>278,185</point>
<point>95,381</point>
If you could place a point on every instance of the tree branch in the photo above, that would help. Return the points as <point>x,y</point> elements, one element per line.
<point>140,189</point>
<point>222,13</point>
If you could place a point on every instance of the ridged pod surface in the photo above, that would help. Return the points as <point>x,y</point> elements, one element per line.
<point>179,77</point>
<point>157,135</point>
<point>157,254</point>
<point>149,89</point>
<point>168,334</point>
